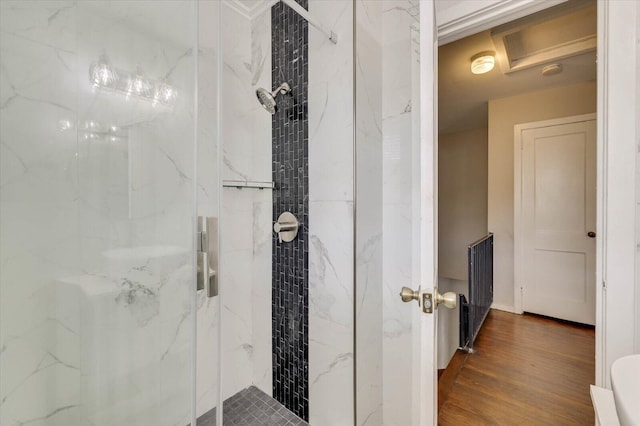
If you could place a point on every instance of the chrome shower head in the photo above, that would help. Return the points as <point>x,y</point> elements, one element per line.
<point>268,99</point>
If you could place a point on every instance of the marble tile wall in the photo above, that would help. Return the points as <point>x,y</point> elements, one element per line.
<point>331,211</point>
<point>369,98</point>
<point>96,262</point>
<point>384,129</point>
<point>262,209</point>
<point>246,213</point>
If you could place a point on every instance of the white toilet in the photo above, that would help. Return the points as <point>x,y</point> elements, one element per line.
<point>621,405</point>
<point>625,381</point>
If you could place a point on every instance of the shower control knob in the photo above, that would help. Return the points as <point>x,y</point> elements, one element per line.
<point>286,227</point>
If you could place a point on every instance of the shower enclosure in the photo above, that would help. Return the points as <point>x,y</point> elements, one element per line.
<point>206,211</point>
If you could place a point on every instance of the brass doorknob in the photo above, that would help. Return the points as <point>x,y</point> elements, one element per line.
<point>449,299</point>
<point>591,234</point>
<point>407,294</point>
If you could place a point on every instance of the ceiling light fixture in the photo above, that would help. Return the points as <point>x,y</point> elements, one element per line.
<point>552,69</point>
<point>483,62</point>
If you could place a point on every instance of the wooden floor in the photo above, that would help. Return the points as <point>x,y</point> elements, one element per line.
<point>527,370</point>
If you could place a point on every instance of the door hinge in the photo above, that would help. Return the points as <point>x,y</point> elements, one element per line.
<point>604,285</point>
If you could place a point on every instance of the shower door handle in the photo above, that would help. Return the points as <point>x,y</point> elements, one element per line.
<point>207,242</point>
<point>207,277</point>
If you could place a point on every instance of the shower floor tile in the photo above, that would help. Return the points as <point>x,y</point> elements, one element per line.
<point>252,407</point>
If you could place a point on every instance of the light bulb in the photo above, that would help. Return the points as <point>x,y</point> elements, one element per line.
<point>164,93</point>
<point>64,125</point>
<point>91,125</point>
<point>482,62</point>
<point>138,85</point>
<point>102,74</point>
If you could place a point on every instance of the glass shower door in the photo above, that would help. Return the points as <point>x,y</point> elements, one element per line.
<point>97,212</point>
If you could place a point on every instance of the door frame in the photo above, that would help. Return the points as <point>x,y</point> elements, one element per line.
<point>616,334</point>
<point>518,231</point>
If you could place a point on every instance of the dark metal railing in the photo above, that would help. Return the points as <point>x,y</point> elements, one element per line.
<point>474,311</point>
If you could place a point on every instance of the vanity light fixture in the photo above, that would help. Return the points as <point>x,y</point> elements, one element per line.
<point>131,84</point>
<point>483,62</point>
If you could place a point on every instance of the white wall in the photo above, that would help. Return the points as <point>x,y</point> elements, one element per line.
<point>503,115</point>
<point>449,321</point>
<point>462,219</point>
<point>462,198</point>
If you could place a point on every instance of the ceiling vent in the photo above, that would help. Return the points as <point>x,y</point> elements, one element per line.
<point>548,36</point>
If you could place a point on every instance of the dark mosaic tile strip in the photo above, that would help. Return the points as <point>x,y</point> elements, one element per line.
<point>290,159</point>
<point>252,407</point>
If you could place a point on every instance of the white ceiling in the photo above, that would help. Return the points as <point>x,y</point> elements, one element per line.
<point>249,8</point>
<point>463,96</point>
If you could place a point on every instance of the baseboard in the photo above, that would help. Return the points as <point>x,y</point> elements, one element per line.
<point>505,308</point>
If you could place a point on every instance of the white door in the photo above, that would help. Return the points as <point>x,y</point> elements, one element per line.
<point>409,388</point>
<point>556,235</point>
<point>423,394</point>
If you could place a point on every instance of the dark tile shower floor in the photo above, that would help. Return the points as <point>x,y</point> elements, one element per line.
<point>252,407</point>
